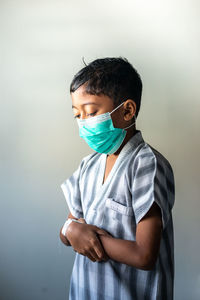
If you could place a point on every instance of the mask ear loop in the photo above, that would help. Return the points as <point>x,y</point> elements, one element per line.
<point>116,107</point>
<point>131,124</point>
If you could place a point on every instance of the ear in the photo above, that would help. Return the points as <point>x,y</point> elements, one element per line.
<point>129,109</point>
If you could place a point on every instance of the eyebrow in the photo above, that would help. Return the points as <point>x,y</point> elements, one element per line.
<point>85,104</point>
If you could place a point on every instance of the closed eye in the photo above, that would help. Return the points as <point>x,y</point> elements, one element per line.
<point>92,114</point>
<point>77,116</point>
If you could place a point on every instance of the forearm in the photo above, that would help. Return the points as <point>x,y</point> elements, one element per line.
<point>125,251</point>
<point>64,239</point>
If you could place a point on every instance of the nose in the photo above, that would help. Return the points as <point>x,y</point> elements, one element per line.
<point>82,117</point>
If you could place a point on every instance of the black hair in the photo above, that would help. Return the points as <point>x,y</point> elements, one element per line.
<point>114,77</point>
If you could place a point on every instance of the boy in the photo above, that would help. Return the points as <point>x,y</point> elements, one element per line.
<point>121,196</point>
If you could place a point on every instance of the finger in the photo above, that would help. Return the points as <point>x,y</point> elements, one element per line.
<point>91,257</point>
<point>87,255</point>
<point>99,250</point>
<point>82,220</point>
<point>96,257</point>
<point>102,232</point>
<point>94,254</point>
<point>90,253</point>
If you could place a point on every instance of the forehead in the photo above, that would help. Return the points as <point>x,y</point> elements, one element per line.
<point>80,97</point>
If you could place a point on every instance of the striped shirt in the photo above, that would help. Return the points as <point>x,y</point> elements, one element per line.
<point>140,176</point>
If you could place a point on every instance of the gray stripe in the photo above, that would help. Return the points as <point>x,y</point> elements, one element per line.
<point>149,284</point>
<point>132,279</point>
<point>72,292</point>
<point>163,281</point>
<point>145,170</point>
<point>141,191</point>
<point>87,282</point>
<point>169,251</point>
<point>101,280</point>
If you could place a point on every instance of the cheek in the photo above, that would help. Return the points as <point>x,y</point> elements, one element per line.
<point>117,120</point>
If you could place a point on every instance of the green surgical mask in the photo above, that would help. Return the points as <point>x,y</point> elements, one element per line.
<point>100,134</point>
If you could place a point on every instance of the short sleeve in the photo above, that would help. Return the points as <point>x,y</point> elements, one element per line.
<point>71,190</point>
<point>153,180</point>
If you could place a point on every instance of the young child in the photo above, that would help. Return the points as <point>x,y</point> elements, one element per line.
<point>121,196</point>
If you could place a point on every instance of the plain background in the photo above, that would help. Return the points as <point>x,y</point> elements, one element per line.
<point>42,45</point>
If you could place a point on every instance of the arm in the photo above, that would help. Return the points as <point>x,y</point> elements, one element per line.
<point>84,239</point>
<point>63,237</point>
<point>143,252</point>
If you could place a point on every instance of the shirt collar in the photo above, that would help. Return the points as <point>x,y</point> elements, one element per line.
<point>133,142</point>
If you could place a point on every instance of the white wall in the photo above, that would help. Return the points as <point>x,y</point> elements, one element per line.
<point>42,45</point>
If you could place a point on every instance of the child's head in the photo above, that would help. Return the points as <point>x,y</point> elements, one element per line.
<point>112,77</point>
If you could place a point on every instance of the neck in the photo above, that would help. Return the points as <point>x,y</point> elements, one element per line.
<point>130,133</point>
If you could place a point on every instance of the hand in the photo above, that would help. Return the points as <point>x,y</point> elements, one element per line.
<point>84,239</point>
<point>81,220</point>
<point>64,238</point>
<point>102,232</point>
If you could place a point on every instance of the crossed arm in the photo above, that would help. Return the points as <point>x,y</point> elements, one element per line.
<point>99,245</point>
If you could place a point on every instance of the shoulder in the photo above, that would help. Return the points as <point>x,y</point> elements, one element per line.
<point>147,152</point>
<point>150,160</point>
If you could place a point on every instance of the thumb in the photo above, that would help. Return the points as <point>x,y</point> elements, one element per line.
<point>82,220</point>
<point>102,232</point>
